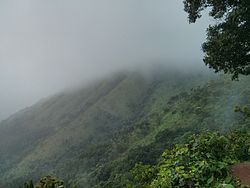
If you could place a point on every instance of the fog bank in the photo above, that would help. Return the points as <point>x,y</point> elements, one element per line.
<point>49,45</point>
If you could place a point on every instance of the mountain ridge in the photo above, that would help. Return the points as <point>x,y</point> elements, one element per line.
<point>74,133</point>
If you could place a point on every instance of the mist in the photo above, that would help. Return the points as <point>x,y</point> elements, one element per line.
<point>46,46</point>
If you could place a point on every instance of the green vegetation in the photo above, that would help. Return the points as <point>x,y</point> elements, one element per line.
<point>75,135</point>
<point>46,182</point>
<point>96,136</point>
<point>228,43</point>
<point>204,108</point>
<point>163,128</point>
<point>244,109</point>
<point>204,161</point>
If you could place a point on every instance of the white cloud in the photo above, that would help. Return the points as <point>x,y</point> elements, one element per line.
<point>47,45</point>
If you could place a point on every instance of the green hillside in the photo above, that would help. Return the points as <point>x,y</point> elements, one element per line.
<point>94,136</point>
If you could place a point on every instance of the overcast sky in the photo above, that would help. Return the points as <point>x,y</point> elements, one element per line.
<point>47,45</point>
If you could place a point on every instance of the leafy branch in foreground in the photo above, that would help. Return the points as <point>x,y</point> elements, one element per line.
<point>203,162</point>
<point>228,41</point>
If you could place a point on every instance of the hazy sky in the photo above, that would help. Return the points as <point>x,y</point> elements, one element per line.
<point>47,45</point>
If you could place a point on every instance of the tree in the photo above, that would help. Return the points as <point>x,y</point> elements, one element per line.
<point>28,185</point>
<point>204,161</point>
<point>228,41</point>
<point>46,182</point>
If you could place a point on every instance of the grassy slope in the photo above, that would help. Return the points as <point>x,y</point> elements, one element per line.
<point>95,135</point>
<point>54,135</point>
<point>208,107</point>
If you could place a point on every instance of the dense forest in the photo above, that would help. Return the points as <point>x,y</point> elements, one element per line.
<point>160,114</point>
<point>161,128</point>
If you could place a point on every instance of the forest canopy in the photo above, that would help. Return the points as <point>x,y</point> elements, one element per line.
<point>228,41</point>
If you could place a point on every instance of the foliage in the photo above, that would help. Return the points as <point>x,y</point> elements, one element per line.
<point>76,134</point>
<point>143,175</point>
<point>50,182</point>
<point>228,41</point>
<point>27,185</point>
<point>166,113</point>
<point>209,107</point>
<point>203,162</point>
<point>245,109</point>
<point>46,182</point>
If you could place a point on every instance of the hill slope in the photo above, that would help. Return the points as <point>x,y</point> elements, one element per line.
<point>94,135</point>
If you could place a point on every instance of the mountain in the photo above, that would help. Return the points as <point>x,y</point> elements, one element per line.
<point>93,136</point>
